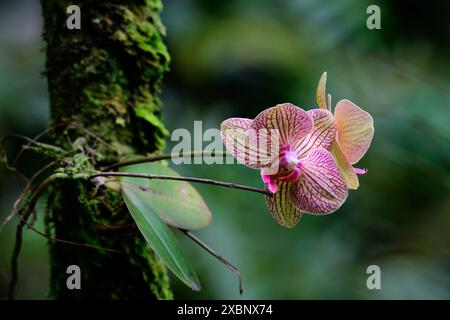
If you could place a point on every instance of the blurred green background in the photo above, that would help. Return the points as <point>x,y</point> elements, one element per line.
<point>236,58</point>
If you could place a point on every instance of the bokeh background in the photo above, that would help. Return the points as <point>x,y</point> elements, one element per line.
<point>236,58</point>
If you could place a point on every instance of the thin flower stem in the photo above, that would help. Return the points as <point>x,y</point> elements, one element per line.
<point>217,256</point>
<point>180,178</point>
<point>166,156</point>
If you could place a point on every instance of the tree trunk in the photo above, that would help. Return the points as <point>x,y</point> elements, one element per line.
<point>103,83</point>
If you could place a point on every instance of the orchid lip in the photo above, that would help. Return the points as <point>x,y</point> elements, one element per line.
<point>360,171</point>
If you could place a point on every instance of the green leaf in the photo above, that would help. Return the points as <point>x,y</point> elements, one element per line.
<point>176,202</point>
<point>159,236</point>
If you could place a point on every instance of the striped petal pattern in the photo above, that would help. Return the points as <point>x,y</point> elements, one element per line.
<point>292,123</point>
<point>321,136</point>
<point>320,189</point>
<point>269,182</point>
<point>281,206</point>
<point>313,152</point>
<point>241,141</point>
<point>355,130</point>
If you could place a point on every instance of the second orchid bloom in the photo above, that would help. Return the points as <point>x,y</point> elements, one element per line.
<point>305,157</point>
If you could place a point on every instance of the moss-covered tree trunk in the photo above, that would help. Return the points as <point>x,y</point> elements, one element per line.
<point>103,82</point>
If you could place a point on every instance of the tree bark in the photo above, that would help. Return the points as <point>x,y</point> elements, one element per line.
<point>103,82</point>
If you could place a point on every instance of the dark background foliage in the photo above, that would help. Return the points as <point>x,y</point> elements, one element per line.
<point>235,58</point>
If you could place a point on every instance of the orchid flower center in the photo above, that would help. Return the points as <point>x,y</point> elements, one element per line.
<point>288,171</point>
<point>289,163</point>
<point>290,160</point>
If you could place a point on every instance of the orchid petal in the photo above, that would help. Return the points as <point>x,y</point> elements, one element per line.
<point>355,130</point>
<point>288,121</point>
<point>269,182</point>
<point>360,171</point>
<point>281,207</point>
<point>321,92</point>
<point>241,141</point>
<point>321,136</point>
<point>345,168</point>
<point>320,189</point>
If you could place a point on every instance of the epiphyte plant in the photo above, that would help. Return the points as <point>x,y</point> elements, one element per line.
<point>305,158</point>
<point>316,150</point>
<point>307,178</point>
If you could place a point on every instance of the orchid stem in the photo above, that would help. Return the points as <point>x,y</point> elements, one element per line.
<point>180,178</point>
<point>217,256</point>
<point>166,156</point>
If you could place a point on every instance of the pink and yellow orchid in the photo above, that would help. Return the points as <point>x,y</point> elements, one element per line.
<point>354,134</point>
<point>306,178</point>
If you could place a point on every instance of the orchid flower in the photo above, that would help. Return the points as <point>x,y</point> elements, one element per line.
<point>354,134</point>
<point>299,170</point>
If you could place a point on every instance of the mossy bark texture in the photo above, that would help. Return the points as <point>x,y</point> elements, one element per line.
<point>103,82</point>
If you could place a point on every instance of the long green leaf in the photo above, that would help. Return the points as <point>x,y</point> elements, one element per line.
<point>176,202</point>
<point>159,237</point>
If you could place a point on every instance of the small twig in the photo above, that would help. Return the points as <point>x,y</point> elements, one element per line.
<point>35,139</point>
<point>166,156</point>
<point>32,142</point>
<point>18,244</point>
<point>24,192</point>
<point>15,255</point>
<point>27,187</point>
<point>37,194</point>
<point>19,136</point>
<point>32,205</point>
<point>96,137</point>
<point>12,167</point>
<point>79,244</point>
<point>217,256</point>
<point>180,178</point>
<point>23,221</point>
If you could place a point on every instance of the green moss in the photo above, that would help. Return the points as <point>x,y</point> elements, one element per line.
<point>162,292</point>
<point>47,150</point>
<point>143,38</point>
<point>112,71</point>
<point>104,83</point>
